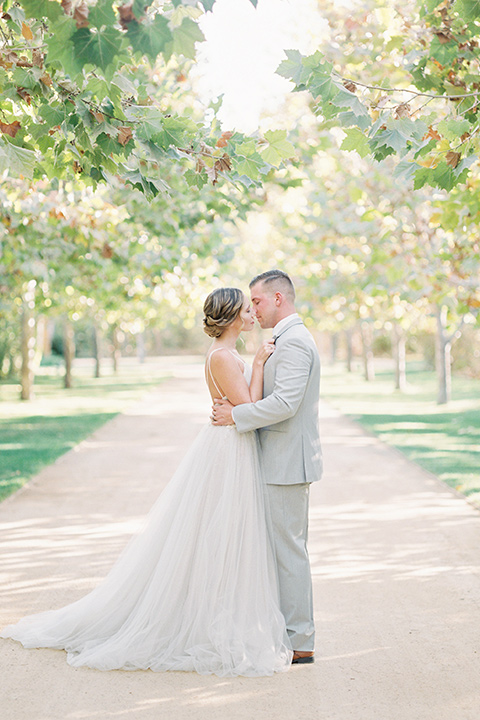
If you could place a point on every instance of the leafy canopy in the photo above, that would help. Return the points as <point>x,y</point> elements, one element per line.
<point>79,84</point>
<point>415,96</point>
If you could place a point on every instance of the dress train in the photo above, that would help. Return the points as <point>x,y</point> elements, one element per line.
<point>195,590</point>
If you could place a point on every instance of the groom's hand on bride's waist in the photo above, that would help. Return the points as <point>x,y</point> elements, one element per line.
<point>222,412</point>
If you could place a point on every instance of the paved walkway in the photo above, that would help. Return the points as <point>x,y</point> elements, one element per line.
<point>395,557</point>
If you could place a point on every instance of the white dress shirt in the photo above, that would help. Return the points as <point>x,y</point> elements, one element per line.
<point>282,323</point>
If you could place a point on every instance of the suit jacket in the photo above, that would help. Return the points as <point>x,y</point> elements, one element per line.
<point>287,417</point>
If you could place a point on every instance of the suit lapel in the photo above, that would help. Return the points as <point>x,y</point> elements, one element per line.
<point>270,364</point>
<point>295,321</point>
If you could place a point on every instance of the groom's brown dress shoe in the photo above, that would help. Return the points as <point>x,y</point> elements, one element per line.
<point>302,658</point>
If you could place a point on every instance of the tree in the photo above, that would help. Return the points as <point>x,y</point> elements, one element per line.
<point>109,255</point>
<point>414,95</point>
<point>80,86</point>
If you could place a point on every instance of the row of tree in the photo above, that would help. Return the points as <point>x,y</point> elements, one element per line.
<point>388,235</point>
<point>188,206</point>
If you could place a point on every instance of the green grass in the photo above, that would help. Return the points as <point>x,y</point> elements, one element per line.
<point>444,439</point>
<point>35,433</point>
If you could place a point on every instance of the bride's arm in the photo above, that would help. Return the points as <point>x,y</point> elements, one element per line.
<point>261,356</point>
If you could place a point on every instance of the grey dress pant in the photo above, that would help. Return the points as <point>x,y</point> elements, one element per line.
<point>289,516</point>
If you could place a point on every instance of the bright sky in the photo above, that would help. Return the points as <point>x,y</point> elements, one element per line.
<point>243,49</point>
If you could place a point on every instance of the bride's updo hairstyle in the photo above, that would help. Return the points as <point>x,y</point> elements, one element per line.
<point>221,308</point>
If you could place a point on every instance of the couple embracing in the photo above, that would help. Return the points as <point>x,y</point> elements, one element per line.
<point>218,581</point>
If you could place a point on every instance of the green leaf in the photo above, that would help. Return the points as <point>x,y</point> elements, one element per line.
<point>98,87</point>
<point>292,68</point>
<point>150,187</point>
<point>15,159</point>
<point>53,114</point>
<point>443,176</point>
<point>467,9</point>
<point>431,4</point>
<point>42,8</point>
<point>15,11</point>
<point>380,152</point>
<point>405,169</point>
<point>321,84</point>
<point>139,7</point>
<point>195,179</point>
<point>150,121</point>
<point>185,36</point>
<point>356,140</point>
<point>97,48</point>
<point>465,164</point>
<point>27,79</point>
<point>246,149</point>
<point>347,99</point>
<point>152,39</point>
<point>248,167</point>
<point>97,175</point>
<point>398,133</point>
<point>44,142</point>
<point>207,4</point>
<point>349,119</point>
<point>278,149</point>
<point>60,46</point>
<point>109,144</point>
<point>392,138</point>
<point>174,132</point>
<point>444,53</point>
<point>102,14</point>
<point>39,130</point>
<point>453,129</point>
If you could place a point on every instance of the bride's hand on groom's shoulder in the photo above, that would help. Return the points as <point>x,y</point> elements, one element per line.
<point>264,352</point>
<point>222,412</point>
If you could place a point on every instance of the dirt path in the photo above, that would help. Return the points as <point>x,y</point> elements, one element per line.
<point>395,557</point>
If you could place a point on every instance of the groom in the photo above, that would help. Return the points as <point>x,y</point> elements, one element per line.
<point>287,421</point>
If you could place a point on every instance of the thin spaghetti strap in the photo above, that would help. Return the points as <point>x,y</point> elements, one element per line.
<point>209,371</point>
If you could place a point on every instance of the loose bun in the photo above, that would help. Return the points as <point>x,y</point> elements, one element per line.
<point>220,309</point>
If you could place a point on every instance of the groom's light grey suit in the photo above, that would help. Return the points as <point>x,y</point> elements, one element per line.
<point>287,421</point>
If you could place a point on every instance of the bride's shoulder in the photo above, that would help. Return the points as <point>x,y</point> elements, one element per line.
<point>219,355</point>
<point>222,357</point>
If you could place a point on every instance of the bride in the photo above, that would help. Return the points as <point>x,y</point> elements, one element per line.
<point>196,588</point>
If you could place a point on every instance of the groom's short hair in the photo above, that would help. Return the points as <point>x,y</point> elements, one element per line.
<point>276,280</point>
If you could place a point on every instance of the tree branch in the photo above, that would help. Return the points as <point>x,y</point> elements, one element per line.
<point>414,93</point>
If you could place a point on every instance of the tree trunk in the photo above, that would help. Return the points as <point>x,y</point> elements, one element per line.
<point>399,356</point>
<point>157,334</point>
<point>443,357</point>
<point>45,332</point>
<point>68,352</point>
<point>28,342</point>
<point>367,342</point>
<point>333,348</point>
<point>116,354</point>
<point>4,358</point>
<point>11,372</point>
<point>96,350</point>
<point>45,335</point>
<point>349,344</point>
<point>140,338</point>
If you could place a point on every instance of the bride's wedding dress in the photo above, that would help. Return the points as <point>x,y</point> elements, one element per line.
<point>196,589</point>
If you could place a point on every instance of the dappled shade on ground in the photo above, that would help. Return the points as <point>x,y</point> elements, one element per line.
<point>394,559</point>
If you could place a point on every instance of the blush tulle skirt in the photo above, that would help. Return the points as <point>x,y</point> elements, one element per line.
<point>195,590</point>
